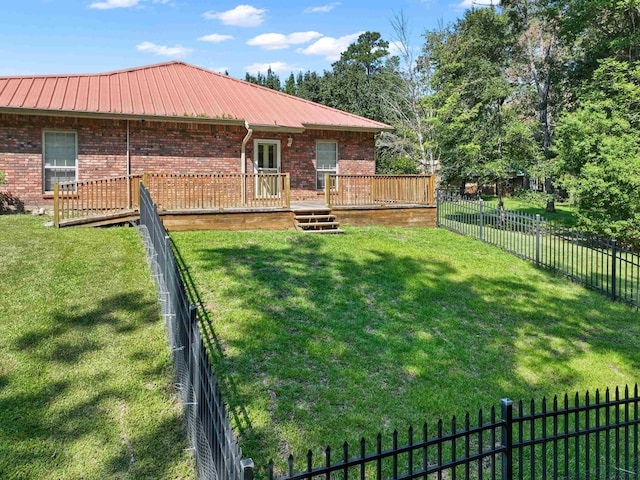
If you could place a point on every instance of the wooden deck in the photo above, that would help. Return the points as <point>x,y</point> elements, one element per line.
<point>245,201</point>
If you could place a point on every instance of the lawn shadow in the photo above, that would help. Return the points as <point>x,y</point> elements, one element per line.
<point>317,337</point>
<point>68,330</point>
<point>54,421</point>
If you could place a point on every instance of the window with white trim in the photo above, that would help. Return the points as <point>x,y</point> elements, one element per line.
<point>326,161</point>
<point>59,157</point>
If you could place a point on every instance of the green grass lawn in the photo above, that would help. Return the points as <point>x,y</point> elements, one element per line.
<point>565,213</point>
<point>331,338</point>
<point>85,369</point>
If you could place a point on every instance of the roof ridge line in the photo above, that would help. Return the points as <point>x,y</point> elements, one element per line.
<point>99,74</point>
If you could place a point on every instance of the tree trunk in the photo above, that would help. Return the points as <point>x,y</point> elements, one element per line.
<point>548,188</point>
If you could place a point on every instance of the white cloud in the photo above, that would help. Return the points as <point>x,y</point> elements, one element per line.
<point>107,4</point>
<point>215,38</point>
<point>330,48</point>
<point>477,3</point>
<point>322,8</point>
<point>177,52</point>
<point>220,69</point>
<point>278,41</point>
<point>241,16</point>
<point>276,67</point>
<point>396,48</point>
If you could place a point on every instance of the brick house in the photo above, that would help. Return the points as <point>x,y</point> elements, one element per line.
<point>170,117</point>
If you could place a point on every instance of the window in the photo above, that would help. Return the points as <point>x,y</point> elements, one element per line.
<point>326,161</point>
<point>59,158</point>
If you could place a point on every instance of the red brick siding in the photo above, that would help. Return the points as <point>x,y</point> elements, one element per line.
<point>164,147</point>
<point>356,152</point>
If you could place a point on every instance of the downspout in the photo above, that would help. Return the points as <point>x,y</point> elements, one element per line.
<point>243,160</point>
<point>128,169</point>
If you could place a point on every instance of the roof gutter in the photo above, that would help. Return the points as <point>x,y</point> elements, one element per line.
<point>348,128</point>
<point>120,116</point>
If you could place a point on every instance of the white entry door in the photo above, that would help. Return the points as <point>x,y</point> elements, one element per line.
<point>267,161</point>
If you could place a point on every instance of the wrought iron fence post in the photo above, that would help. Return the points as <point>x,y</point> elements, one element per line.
<point>481,219</point>
<point>196,385</point>
<point>193,316</point>
<point>613,268</point>
<point>507,439</point>
<point>168,277</point>
<point>537,239</point>
<point>246,466</point>
<point>438,208</point>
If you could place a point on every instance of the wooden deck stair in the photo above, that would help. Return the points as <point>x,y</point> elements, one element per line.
<point>316,220</point>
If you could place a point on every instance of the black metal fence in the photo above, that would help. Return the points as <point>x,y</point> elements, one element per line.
<point>215,445</point>
<point>593,439</point>
<point>599,264</point>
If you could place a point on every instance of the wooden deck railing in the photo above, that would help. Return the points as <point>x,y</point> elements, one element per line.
<point>93,199</point>
<point>383,190</point>
<point>173,191</point>
<point>75,202</point>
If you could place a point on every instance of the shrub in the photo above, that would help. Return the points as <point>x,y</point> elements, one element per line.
<point>9,203</point>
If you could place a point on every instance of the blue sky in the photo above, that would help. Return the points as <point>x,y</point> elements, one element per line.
<point>90,36</point>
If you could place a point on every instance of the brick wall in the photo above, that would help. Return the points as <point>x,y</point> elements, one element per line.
<point>164,147</point>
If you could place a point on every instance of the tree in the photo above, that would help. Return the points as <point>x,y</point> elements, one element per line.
<point>479,126</point>
<point>290,85</point>
<point>598,145</point>
<point>600,29</point>
<point>357,79</point>
<point>406,101</point>
<point>539,61</point>
<point>271,80</point>
<point>313,87</point>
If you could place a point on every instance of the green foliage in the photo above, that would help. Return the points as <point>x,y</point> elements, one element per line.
<point>9,203</point>
<point>270,80</point>
<point>600,29</point>
<point>480,131</point>
<point>290,85</point>
<point>389,164</point>
<point>598,144</point>
<point>408,108</point>
<point>313,87</point>
<point>358,79</point>
<point>537,199</point>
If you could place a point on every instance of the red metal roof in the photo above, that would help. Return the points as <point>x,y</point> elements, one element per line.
<point>172,89</point>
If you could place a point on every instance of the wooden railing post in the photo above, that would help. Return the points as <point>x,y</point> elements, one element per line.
<point>145,179</point>
<point>327,190</point>
<point>243,187</point>
<point>129,192</point>
<point>372,190</point>
<point>56,205</point>
<point>432,189</point>
<point>136,192</point>
<point>287,190</point>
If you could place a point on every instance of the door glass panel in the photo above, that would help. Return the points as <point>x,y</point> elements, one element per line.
<point>267,186</point>
<point>260,155</point>
<point>272,156</point>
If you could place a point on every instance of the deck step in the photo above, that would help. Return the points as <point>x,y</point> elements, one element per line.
<point>333,230</point>
<point>314,217</point>
<point>318,225</point>
<point>318,220</point>
<point>313,211</point>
